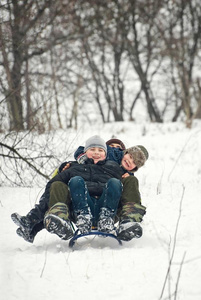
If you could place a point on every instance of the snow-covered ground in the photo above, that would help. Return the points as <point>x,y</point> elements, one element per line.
<point>99,268</point>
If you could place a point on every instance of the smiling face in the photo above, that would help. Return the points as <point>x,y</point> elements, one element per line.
<point>96,154</point>
<point>128,163</point>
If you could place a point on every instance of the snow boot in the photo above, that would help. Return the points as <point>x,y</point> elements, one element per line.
<point>84,223</point>
<point>58,226</point>
<point>128,230</point>
<point>25,235</point>
<point>105,222</point>
<point>22,221</point>
<point>57,221</point>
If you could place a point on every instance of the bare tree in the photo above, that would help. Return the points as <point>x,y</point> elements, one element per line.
<point>181,32</point>
<point>114,34</point>
<point>25,33</point>
<point>142,48</point>
<point>103,47</point>
<point>57,57</point>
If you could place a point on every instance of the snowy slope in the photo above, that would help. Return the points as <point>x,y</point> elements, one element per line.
<point>98,268</point>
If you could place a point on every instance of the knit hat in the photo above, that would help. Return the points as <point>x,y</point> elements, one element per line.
<point>95,141</point>
<point>139,155</point>
<point>116,141</point>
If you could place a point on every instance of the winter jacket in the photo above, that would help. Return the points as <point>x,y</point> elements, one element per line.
<point>38,212</point>
<point>95,175</point>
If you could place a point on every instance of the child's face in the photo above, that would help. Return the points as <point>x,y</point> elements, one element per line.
<point>127,162</point>
<point>96,154</point>
<point>115,145</point>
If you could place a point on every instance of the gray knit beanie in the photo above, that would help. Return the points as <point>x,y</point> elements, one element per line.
<point>95,141</point>
<point>139,155</point>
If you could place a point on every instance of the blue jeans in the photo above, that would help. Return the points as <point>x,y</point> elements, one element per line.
<point>85,204</point>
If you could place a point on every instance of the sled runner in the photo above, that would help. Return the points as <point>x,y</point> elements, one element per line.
<point>93,232</point>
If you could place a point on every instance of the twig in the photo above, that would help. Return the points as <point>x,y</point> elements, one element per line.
<point>45,261</point>
<point>174,245</point>
<point>182,150</point>
<point>179,275</point>
<point>24,159</point>
<point>160,183</point>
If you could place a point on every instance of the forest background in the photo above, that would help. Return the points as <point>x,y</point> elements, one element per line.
<point>67,63</point>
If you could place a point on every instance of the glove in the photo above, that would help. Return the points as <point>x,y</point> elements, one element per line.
<point>82,158</point>
<point>66,167</point>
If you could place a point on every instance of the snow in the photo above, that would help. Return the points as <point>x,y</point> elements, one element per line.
<point>99,268</point>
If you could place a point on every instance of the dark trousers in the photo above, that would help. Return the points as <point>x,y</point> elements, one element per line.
<point>85,204</point>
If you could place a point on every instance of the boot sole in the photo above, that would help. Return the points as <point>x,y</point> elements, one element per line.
<point>56,225</point>
<point>20,232</point>
<point>16,219</point>
<point>135,231</point>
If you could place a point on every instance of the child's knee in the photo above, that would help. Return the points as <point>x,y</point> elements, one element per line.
<point>130,180</point>
<point>75,181</point>
<point>114,183</point>
<point>58,185</point>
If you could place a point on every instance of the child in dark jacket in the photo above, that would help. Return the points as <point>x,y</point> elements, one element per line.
<point>130,209</point>
<point>32,223</point>
<point>95,188</point>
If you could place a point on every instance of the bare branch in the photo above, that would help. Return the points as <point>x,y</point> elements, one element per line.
<point>19,156</point>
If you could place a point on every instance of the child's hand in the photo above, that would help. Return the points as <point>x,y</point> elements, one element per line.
<point>66,167</point>
<point>125,175</point>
